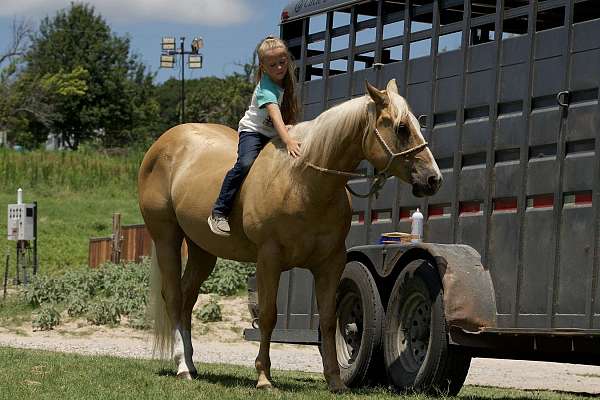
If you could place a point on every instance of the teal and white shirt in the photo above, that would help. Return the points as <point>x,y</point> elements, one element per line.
<point>257,118</point>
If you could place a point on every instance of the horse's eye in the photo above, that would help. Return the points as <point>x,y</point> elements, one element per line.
<point>400,128</point>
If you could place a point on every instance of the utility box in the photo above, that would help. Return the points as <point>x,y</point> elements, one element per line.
<point>21,221</point>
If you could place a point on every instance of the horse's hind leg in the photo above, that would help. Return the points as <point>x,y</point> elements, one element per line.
<point>198,267</point>
<point>170,331</point>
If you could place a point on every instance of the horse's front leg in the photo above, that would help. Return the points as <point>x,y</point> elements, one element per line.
<point>327,277</point>
<point>268,271</point>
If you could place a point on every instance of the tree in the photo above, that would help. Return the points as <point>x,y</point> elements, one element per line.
<point>211,99</point>
<point>250,68</point>
<point>221,101</point>
<point>168,96</point>
<point>10,60</point>
<point>33,101</point>
<point>96,89</point>
<point>20,32</point>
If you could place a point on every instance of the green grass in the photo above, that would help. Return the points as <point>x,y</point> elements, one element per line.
<point>77,193</point>
<point>73,170</point>
<point>30,374</point>
<point>67,219</point>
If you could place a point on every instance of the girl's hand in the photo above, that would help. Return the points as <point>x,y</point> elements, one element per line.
<point>293,147</point>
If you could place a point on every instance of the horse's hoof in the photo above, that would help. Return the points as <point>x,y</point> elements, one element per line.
<point>264,386</point>
<point>186,376</point>
<point>339,388</point>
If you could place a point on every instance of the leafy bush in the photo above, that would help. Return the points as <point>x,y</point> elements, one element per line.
<point>227,278</point>
<point>210,312</point>
<point>85,283</point>
<point>139,320</point>
<point>46,318</point>
<point>105,294</point>
<point>77,304</point>
<point>104,312</point>
<point>44,290</point>
<point>128,285</point>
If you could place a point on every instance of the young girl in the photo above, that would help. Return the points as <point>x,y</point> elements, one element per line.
<point>273,107</point>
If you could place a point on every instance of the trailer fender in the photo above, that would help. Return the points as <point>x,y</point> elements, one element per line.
<point>469,300</point>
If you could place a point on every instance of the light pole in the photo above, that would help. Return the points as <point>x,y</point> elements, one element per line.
<point>167,60</point>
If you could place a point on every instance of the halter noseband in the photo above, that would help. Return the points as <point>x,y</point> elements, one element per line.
<point>381,177</point>
<point>393,156</point>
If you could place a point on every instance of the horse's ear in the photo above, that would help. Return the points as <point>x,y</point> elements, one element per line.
<point>392,87</point>
<point>378,96</point>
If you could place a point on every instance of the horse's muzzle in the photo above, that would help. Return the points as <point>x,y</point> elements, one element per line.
<point>432,185</point>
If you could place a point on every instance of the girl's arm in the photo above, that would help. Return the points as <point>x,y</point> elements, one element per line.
<point>293,146</point>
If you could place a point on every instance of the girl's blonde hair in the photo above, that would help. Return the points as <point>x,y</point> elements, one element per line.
<point>289,106</point>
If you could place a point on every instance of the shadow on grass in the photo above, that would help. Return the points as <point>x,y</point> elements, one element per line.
<point>308,384</point>
<point>166,372</point>
<point>286,384</point>
<point>232,380</point>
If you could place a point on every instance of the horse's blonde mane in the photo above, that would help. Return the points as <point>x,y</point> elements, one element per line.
<point>318,136</point>
<point>324,135</point>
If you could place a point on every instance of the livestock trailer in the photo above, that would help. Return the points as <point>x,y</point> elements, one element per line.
<point>506,92</point>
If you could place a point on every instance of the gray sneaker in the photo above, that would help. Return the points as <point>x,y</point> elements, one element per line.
<point>219,225</point>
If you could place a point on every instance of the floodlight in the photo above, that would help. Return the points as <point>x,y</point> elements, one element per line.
<point>197,44</point>
<point>168,43</point>
<point>167,61</point>
<point>195,61</point>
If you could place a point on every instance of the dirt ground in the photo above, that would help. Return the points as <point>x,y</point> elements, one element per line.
<point>222,342</point>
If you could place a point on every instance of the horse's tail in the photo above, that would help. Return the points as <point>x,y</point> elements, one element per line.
<point>163,338</point>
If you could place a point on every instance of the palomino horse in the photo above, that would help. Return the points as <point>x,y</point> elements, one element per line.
<point>289,212</point>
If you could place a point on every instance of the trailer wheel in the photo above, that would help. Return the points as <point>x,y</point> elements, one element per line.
<point>416,349</point>
<point>359,326</point>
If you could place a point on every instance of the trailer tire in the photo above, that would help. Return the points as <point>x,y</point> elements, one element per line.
<point>359,327</point>
<point>417,353</point>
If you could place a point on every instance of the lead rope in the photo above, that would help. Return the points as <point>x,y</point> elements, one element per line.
<point>377,185</point>
<point>380,178</point>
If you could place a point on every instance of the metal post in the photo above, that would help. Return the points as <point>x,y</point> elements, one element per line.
<point>6,274</point>
<point>18,275</point>
<point>25,261</point>
<point>35,234</point>
<point>116,239</point>
<point>182,115</point>
<point>170,49</point>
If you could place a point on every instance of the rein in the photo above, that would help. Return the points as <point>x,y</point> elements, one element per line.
<point>381,177</point>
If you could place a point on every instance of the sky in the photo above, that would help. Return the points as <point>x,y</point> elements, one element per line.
<point>230,28</point>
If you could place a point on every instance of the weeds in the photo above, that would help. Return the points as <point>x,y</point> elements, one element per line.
<point>76,170</point>
<point>227,278</point>
<point>104,295</point>
<point>46,318</point>
<point>104,312</point>
<point>210,312</point>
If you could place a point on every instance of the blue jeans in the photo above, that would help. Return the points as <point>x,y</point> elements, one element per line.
<point>250,144</point>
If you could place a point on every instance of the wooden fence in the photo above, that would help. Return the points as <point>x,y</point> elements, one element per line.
<point>134,243</point>
<point>128,243</point>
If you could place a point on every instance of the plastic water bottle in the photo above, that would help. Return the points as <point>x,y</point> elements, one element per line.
<point>417,226</point>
